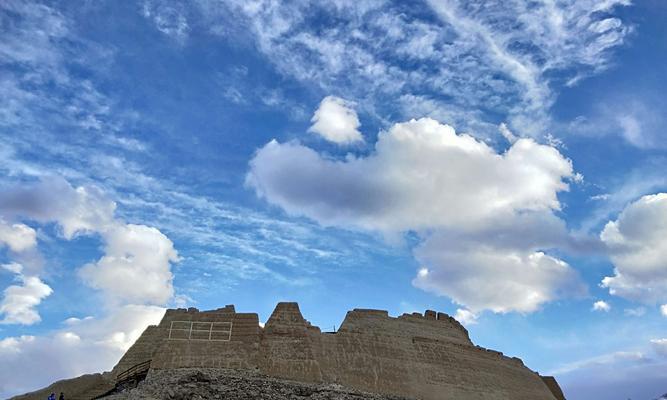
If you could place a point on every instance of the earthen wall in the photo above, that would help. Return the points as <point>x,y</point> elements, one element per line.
<point>428,356</point>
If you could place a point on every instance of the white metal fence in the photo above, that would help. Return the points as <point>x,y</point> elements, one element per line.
<point>194,330</point>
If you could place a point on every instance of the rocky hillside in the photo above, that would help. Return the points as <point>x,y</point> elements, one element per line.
<point>203,383</point>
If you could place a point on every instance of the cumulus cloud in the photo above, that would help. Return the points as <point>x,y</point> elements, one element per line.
<point>466,317</point>
<point>601,305</point>
<point>638,250</point>
<point>76,210</point>
<point>481,275</point>
<point>133,253</point>
<point>134,275</point>
<point>663,310</point>
<point>68,351</point>
<point>135,267</point>
<point>18,237</point>
<point>19,301</point>
<point>484,218</point>
<point>421,175</point>
<point>336,121</point>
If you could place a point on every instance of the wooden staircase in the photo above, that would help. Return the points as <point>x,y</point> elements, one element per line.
<point>126,379</point>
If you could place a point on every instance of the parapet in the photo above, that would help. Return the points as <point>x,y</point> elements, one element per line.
<point>431,325</point>
<point>370,311</point>
<point>228,309</point>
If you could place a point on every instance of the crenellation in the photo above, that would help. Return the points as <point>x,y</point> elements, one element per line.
<point>229,308</point>
<point>371,312</point>
<point>517,361</point>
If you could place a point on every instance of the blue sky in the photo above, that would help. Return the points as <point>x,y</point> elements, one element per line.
<point>503,162</point>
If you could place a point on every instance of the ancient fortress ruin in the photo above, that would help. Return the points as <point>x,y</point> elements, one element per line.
<point>427,356</point>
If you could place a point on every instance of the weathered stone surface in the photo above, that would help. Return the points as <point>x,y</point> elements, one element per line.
<point>427,356</point>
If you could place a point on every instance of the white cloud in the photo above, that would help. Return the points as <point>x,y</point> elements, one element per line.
<point>168,18</point>
<point>600,197</point>
<point>421,175</point>
<point>663,310</point>
<point>336,121</point>
<point>19,301</point>
<point>601,305</point>
<point>89,346</point>
<point>482,275</point>
<point>507,134</point>
<point>634,117</point>
<point>499,55</point>
<point>475,209</point>
<point>488,41</point>
<point>646,178</point>
<point>635,312</point>
<point>135,267</point>
<point>18,237</point>
<point>53,199</point>
<point>637,247</point>
<point>466,317</point>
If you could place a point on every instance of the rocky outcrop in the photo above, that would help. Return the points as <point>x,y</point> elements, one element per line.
<point>427,356</point>
<point>207,383</point>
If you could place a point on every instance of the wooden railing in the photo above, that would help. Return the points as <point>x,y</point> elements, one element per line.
<point>134,372</point>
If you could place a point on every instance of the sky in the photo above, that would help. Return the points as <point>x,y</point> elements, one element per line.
<point>501,161</point>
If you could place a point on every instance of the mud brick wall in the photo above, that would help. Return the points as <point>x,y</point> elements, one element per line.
<point>428,356</point>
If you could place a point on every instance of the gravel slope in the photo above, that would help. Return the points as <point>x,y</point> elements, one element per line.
<point>203,383</point>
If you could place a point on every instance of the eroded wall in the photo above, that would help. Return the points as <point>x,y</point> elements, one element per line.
<point>232,342</point>
<point>428,356</point>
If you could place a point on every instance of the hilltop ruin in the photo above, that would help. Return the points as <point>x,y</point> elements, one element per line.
<point>423,356</point>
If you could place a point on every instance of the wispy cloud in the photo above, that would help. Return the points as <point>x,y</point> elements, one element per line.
<point>491,58</point>
<point>59,124</point>
<point>169,18</point>
<point>636,374</point>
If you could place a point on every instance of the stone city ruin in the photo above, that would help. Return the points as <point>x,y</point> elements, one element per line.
<point>427,356</point>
